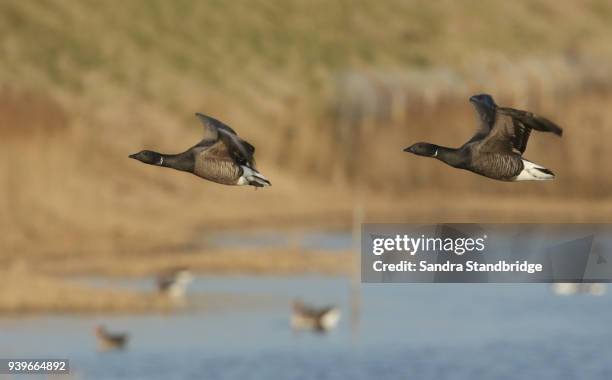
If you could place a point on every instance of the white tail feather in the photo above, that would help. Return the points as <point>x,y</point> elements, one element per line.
<point>252,177</point>
<point>534,172</point>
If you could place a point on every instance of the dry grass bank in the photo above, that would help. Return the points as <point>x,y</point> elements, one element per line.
<point>24,292</point>
<point>219,262</point>
<point>35,285</point>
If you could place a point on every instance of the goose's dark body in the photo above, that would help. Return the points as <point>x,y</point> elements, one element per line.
<point>221,157</point>
<point>504,167</point>
<point>215,164</point>
<point>495,151</point>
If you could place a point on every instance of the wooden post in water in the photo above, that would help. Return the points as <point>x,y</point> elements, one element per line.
<point>358,219</point>
<point>355,292</point>
<point>352,167</point>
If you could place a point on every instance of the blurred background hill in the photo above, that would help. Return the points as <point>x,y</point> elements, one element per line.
<point>328,92</point>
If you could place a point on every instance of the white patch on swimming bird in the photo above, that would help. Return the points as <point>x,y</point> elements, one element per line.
<point>533,172</point>
<point>436,153</point>
<point>567,289</point>
<point>330,319</point>
<point>179,286</point>
<point>161,160</point>
<point>301,320</point>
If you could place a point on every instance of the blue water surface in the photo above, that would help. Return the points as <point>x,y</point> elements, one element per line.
<point>403,331</point>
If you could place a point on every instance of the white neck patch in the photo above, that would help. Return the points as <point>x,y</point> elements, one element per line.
<point>161,160</point>
<point>436,153</point>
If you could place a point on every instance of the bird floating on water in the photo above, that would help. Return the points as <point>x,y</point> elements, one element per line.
<point>496,150</point>
<point>566,289</point>
<point>173,282</point>
<point>221,156</point>
<point>110,341</point>
<point>305,317</point>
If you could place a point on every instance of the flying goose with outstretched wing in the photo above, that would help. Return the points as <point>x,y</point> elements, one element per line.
<point>496,150</point>
<point>221,156</point>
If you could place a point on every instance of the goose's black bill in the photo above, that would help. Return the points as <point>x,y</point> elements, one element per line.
<point>422,149</point>
<point>410,149</point>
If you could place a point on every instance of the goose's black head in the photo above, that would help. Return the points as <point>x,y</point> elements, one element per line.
<point>148,157</point>
<point>423,149</point>
<point>485,106</point>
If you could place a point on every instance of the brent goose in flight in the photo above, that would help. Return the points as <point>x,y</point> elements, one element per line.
<point>110,341</point>
<point>496,149</point>
<point>306,317</point>
<point>220,157</point>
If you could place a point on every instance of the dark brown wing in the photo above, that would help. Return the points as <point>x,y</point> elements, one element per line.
<point>483,130</point>
<point>512,128</point>
<point>211,131</point>
<point>238,149</point>
<point>508,135</point>
<point>218,151</point>
<point>241,151</point>
<point>531,120</point>
<point>486,115</point>
<point>213,125</point>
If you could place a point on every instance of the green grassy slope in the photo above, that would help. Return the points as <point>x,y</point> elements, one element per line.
<point>256,53</point>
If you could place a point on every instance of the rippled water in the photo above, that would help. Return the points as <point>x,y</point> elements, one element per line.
<point>406,331</point>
